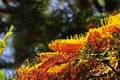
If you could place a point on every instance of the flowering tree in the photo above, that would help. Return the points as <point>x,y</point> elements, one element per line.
<point>94,55</point>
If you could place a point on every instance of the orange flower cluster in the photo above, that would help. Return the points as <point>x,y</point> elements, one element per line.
<point>74,72</point>
<point>48,61</point>
<point>56,70</point>
<point>58,65</point>
<point>68,45</point>
<point>98,40</point>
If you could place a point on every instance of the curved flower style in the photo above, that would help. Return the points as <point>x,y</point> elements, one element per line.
<point>112,21</point>
<point>111,24</point>
<point>68,45</point>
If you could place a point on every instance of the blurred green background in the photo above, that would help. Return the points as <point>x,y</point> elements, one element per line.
<point>37,22</point>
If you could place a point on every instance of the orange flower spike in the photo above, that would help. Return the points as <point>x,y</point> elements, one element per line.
<point>111,20</point>
<point>59,58</point>
<point>68,45</point>
<point>111,24</point>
